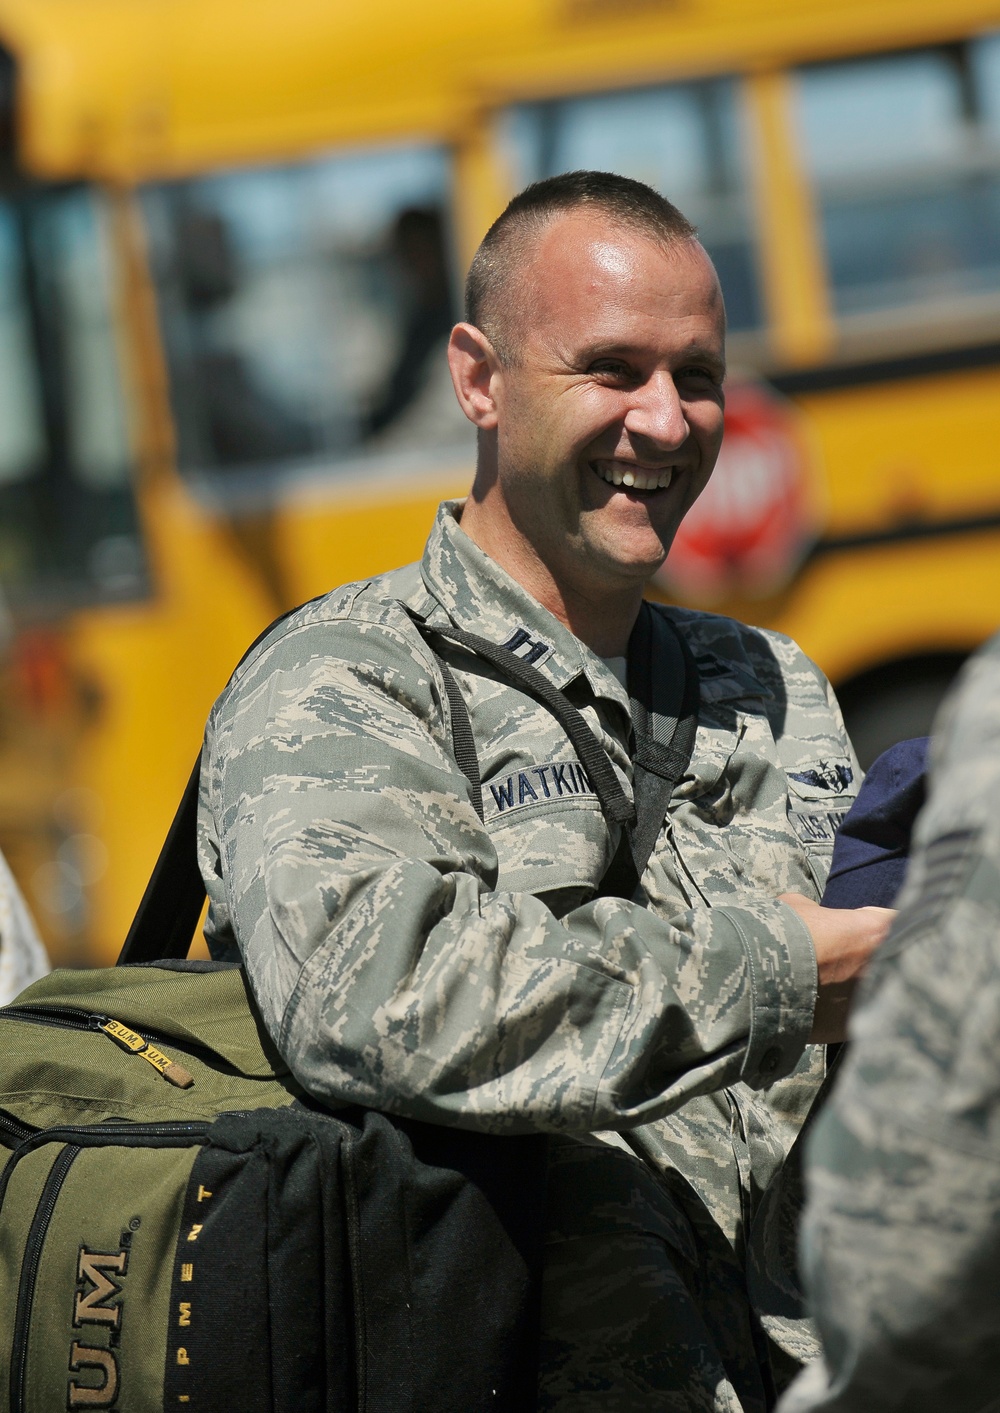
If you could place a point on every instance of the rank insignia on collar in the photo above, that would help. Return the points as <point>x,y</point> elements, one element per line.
<point>537,648</point>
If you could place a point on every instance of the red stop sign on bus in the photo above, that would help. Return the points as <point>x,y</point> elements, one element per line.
<point>753,524</point>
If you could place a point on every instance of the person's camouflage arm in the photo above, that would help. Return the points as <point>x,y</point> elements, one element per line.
<point>901,1239</point>
<point>22,955</point>
<point>361,887</point>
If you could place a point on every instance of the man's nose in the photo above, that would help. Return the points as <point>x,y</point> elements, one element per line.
<point>656,413</point>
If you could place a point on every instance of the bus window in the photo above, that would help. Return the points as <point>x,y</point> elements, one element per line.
<point>904,152</point>
<point>684,140</point>
<point>303,309</point>
<point>22,424</point>
<point>68,527</point>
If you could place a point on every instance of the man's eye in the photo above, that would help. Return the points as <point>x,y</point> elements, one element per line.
<point>612,368</point>
<point>695,372</point>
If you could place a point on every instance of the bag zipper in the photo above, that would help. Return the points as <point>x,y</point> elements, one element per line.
<point>14,1129</point>
<point>29,1273</point>
<point>134,1043</point>
<point>114,1131</point>
<point>13,1132</point>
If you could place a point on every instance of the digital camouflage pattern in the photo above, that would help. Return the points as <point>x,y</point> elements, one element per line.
<point>406,957</point>
<point>901,1245</point>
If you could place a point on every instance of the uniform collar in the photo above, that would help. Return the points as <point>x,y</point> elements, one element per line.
<point>479,596</point>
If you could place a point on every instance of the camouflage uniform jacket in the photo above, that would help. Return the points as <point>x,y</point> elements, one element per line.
<point>902,1237</point>
<point>408,957</point>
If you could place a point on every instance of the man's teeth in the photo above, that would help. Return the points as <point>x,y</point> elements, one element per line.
<point>635,479</point>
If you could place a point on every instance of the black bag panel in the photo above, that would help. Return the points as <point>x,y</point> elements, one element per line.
<point>496,1219</point>
<point>264,1284</point>
<point>308,1255</point>
<point>218,1344</point>
<point>450,1313</point>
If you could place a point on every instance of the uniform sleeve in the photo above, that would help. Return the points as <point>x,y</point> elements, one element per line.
<point>340,847</point>
<point>901,1240</point>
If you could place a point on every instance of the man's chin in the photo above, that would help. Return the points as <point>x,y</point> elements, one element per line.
<point>623,561</point>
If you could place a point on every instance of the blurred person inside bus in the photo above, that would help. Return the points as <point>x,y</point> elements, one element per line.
<point>901,1236</point>
<point>244,421</point>
<point>419,262</point>
<point>412,954</point>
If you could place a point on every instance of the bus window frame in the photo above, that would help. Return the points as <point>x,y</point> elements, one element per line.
<point>922,325</point>
<point>249,488</point>
<point>54,483</point>
<point>749,345</point>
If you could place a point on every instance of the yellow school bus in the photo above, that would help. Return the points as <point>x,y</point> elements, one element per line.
<point>232,236</point>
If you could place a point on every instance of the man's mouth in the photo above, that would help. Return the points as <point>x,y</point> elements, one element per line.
<point>634,478</point>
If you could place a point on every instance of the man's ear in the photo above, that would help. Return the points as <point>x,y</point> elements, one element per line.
<point>474,366</point>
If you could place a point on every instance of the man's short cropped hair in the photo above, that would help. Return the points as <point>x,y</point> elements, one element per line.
<point>504,247</point>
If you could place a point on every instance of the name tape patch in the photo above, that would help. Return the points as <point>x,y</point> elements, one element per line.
<point>536,784</point>
<point>816,826</point>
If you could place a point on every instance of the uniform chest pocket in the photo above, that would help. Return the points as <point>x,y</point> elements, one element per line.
<point>705,783</point>
<point>817,804</point>
<point>546,825</point>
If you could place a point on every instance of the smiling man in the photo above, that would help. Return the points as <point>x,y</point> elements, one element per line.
<point>593,365</point>
<point>459,956</point>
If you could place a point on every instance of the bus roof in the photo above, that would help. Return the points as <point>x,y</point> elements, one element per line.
<point>128,89</point>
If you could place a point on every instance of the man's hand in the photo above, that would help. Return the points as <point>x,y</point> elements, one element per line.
<point>844,939</point>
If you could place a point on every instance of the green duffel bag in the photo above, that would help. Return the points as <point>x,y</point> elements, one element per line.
<point>181,1227</point>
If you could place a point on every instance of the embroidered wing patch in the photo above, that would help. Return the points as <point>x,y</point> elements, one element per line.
<point>828,775</point>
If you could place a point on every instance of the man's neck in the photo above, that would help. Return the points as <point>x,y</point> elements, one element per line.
<point>601,620</point>
<point>601,615</point>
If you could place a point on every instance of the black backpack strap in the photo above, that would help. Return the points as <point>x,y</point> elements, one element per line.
<point>664,692</point>
<point>615,804</point>
<point>169,909</point>
<point>462,738</point>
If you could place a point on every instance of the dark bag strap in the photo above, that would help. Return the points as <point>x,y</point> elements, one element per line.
<point>169,909</point>
<point>171,905</point>
<point>615,804</point>
<point>462,740</point>
<point>664,693</point>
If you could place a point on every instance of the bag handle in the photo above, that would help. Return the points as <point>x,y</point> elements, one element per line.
<point>169,909</point>
<point>171,904</point>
